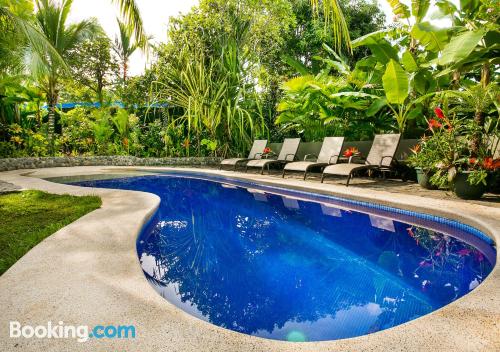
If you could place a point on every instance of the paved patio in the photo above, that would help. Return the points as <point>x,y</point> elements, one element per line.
<point>87,273</point>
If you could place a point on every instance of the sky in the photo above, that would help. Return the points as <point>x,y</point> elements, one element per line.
<point>155,15</point>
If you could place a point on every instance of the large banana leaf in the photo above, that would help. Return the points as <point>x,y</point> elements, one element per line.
<point>409,62</point>
<point>376,106</point>
<point>400,9</point>
<point>383,51</point>
<point>369,38</point>
<point>396,83</point>
<point>460,47</point>
<point>432,37</point>
<point>419,9</point>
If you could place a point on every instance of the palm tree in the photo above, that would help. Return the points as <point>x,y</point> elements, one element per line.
<point>125,45</point>
<point>335,17</point>
<point>130,12</point>
<point>46,67</point>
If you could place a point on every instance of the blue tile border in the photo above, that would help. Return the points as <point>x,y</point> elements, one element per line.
<point>316,196</point>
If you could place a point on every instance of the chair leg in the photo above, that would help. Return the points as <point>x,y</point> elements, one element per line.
<point>322,177</point>
<point>305,175</point>
<point>246,168</point>
<point>283,174</point>
<point>262,170</point>
<point>348,179</point>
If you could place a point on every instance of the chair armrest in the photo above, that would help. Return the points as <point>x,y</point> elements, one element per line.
<point>258,156</point>
<point>356,159</point>
<point>336,160</point>
<point>309,155</point>
<point>292,155</point>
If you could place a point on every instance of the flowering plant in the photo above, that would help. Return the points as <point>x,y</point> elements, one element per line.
<point>352,151</point>
<point>267,150</point>
<point>448,151</point>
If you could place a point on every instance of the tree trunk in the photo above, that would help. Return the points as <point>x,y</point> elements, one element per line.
<point>125,68</point>
<point>485,74</point>
<point>456,79</point>
<point>52,102</point>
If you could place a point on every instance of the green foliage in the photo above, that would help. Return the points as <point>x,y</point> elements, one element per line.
<point>93,67</point>
<point>396,83</point>
<point>326,105</point>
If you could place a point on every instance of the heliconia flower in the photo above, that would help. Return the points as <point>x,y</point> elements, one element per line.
<point>267,150</point>
<point>439,113</point>
<point>434,124</point>
<point>472,161</point>
<point>351,151</point>
<point>416,149</point>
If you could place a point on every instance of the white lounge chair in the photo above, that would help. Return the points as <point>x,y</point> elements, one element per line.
<point>329,154</point>
<point>380,157</point>
<point>255,153</point>
<point>287,154</point>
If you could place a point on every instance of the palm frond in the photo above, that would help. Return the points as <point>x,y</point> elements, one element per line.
<point>132,15</point>
<point>334,17</point>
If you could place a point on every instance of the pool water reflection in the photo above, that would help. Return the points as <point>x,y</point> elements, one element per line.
<point>281,268</point>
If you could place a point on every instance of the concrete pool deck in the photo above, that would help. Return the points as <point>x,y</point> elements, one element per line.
<point>88,274</point>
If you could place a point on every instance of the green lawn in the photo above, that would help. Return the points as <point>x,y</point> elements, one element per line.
<point>28,217</point>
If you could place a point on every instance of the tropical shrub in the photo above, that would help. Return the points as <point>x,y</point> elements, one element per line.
<point>448,151</point>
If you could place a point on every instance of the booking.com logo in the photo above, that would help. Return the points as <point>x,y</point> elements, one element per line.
<point>81,333</point>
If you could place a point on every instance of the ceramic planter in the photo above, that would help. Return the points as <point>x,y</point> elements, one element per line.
<point>423,179</point>
<point>465,190</point>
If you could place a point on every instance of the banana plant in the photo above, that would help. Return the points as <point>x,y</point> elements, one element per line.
<point>121,123</point>
<point>398,90</point>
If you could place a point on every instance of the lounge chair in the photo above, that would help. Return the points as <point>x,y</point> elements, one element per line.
<point>287,154</point>
<point>380,157</point>
<point>329,154</point>
<point>255,153</point>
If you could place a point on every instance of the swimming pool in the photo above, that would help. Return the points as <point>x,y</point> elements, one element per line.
<point>295,266</point>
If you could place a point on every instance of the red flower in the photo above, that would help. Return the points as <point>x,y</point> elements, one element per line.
<point>472,161</point>
<point>434,124</point>
<point>490,164</point>
<point>350,152</point>
<point>267,150</point>
<point>439,113</point>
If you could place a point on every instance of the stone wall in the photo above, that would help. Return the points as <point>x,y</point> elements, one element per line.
<point>305,148</point>
<point>35,163</point>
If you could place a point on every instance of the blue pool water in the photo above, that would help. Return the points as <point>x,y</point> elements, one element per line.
<point>278,267</point>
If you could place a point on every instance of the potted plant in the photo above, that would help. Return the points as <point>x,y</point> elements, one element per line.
<point>448,154</point>
<point>424,158</point>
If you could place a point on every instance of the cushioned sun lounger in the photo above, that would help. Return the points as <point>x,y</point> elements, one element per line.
<point>380,157</point>
<point>255,153</point>
<point>287,154</point>
<point>329,154</point>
